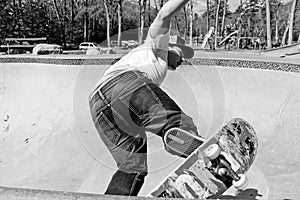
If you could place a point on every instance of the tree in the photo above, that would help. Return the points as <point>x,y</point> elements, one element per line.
<point>185,20</point>
<point>149,13</point>
<point>291,22</point>
<point>142,6</point>
<point>86,21</point>
<point>285,34</point>
<point>208,15</point>
<point>120,12</point>
<point>269,39</point>
<point>107,22</point>
<point>224,15</point>
<point>279,3</point>
<point>191,22</point>
<point>218,3</point>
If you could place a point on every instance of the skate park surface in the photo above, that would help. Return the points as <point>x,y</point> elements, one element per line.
<point>48,140</point>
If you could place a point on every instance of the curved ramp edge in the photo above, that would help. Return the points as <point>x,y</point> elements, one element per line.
<point>29,194</point>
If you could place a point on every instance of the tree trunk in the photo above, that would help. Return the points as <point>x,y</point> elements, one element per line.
<point>56,9</point>
<point>161,3</point>
<point>21,17</point>
<point>248,33</point>
<point>107,23</point>
<point>119,23</point>
<point>240,28</point>
<point>186,20</point>
<point>72,20</point>
<point>149,13</point>
<point>65,24</point>
<point>156,6</point>
<point>177,24</point>
<point>285,34</point>
<point>224,16</point>
<point>191,22</point>
<point>86,22</point>
<point>269,39</point>
<point>142,4</point>
<point>291,23</point>
<point>217,22</point>
<point>208,16</point>
<point>84,29</point>
<point>277,24</point>
<point>72,12</point>
<point>60,21</point>
<point>15,15</point>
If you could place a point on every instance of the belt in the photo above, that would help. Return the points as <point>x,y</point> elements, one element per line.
<point>99,92</point>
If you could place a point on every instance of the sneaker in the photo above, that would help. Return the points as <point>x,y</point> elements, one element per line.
<point>181,142</point>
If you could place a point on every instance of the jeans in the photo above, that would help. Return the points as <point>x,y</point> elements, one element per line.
<point>123,110</point>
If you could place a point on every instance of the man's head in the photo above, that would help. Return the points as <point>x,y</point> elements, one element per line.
<point>178,51</point>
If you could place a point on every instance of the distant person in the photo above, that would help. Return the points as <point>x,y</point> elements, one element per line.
<point>128,101</point>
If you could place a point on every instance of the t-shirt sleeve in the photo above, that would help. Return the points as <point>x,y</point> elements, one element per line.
<point>161,42</point>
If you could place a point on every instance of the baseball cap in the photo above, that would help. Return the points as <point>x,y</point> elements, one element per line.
<point>175,40</point>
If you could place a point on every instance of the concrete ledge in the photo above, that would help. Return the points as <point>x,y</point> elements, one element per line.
<point>7,193</point>
<point>283,65</point>
<point>206,59</point>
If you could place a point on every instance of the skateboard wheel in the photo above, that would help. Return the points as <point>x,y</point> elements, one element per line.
<point>222,171</point>
<point>242,183</point>
<point>212,151</point>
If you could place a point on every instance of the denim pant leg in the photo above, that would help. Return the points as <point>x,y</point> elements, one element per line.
<point>132,106</point>
<point>151,108</point>
<point>124,183</point>
<point>126,142</point>
<point>129,152</point>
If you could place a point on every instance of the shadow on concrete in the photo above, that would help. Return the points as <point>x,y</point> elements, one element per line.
<point>243,194</point>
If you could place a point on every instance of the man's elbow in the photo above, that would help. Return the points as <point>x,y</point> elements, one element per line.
<point>163,15</point>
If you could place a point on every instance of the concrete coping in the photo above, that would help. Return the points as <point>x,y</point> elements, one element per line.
<point>30,194</point>
<point>252,61</point>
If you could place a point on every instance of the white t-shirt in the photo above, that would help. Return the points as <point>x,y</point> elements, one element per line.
<point>149,58</point>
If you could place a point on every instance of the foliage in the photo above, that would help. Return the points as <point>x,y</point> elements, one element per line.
<point>252,14</point>
<point>63,21</point>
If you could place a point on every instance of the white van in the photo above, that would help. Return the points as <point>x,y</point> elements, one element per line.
<point>87,45</point>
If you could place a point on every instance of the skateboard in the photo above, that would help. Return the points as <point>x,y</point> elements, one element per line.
<point>212,166</point>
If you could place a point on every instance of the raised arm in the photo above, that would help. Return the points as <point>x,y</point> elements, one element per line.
<point>161,23</point>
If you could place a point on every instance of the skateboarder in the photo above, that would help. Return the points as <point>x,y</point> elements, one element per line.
<point>128,101</point>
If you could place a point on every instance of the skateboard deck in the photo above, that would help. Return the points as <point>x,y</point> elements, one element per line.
<point>214,166</point>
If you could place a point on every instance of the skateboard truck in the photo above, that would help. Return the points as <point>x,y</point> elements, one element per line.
<point>213,153</point>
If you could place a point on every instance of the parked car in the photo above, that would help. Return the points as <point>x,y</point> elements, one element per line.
<point>114,43</point>
<point>87,45</point>
<point>124,43</point>
<point>41,49</point>
<point>132,43</point>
